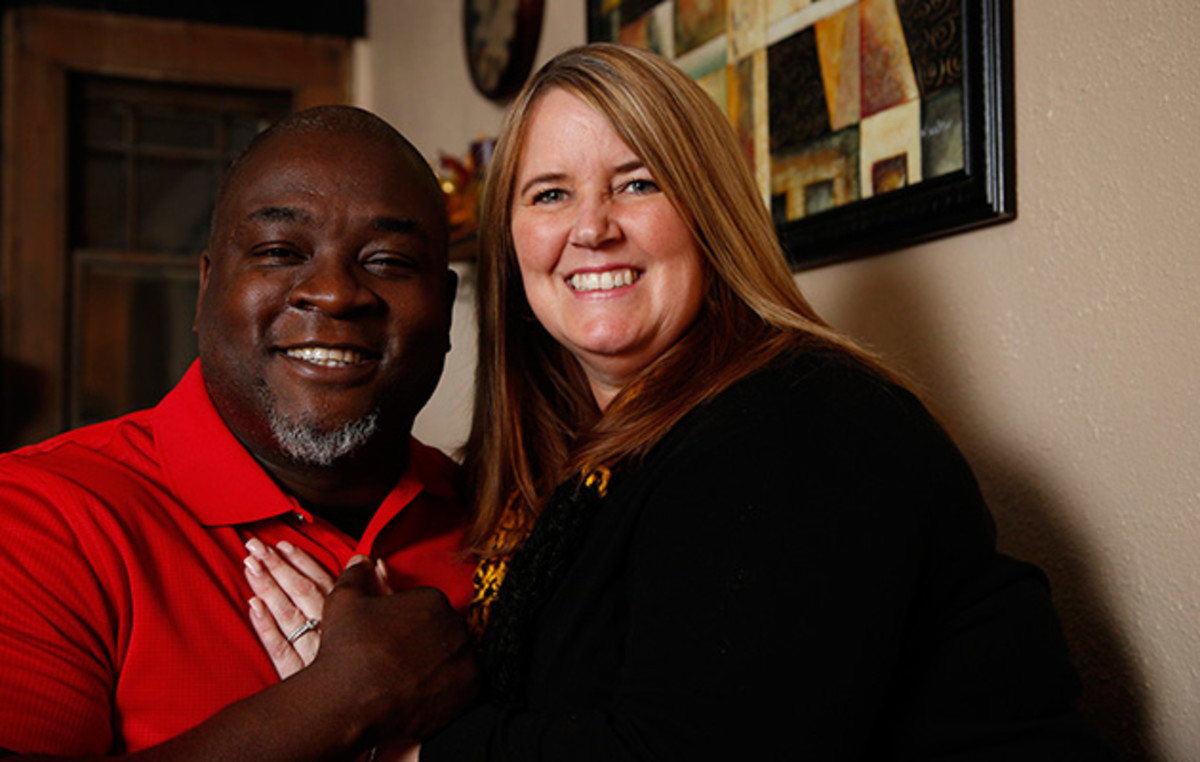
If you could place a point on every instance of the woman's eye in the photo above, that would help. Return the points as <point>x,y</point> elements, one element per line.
<point>642,185</point>
<point>549,196</point>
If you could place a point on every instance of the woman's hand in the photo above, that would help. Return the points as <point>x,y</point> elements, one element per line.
<point>290,589</point>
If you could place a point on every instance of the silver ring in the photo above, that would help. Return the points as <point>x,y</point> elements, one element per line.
<point>309,625</point>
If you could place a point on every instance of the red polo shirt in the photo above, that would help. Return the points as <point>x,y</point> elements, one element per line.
<point>123,607</point>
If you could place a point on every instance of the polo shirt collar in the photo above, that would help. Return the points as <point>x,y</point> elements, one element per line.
<point>221,483</point>
<point>428,471</point>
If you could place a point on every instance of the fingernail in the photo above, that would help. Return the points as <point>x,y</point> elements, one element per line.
<point>256,548</point>
<point>285,546</point>
<point>381,569</point>
<point>253,566</point>
<point>256,608</point>
<point>356,559</point>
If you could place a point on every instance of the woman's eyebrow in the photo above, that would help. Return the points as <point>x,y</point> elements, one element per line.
<point>552,177</point>
<point>548,177</point>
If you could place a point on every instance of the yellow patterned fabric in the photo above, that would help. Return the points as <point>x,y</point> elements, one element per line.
<point>598,480</point>
<point>490,571</point>
<point>492,568</point>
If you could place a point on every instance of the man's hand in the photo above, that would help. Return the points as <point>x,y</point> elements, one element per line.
<point>407,656</point>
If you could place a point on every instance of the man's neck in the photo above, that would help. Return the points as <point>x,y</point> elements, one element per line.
<point>351,519</point>
<point>349,482</point>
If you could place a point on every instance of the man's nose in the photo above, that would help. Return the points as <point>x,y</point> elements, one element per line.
<point>333,284</point>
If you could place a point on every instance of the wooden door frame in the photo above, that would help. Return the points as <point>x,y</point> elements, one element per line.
<point>42,47</point>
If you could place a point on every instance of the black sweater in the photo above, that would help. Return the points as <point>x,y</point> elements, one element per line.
<point>802,569</point>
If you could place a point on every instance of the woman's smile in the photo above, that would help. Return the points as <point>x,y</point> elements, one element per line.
<point>605,280</point>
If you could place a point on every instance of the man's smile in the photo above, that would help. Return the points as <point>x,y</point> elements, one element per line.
<point>329,357</point>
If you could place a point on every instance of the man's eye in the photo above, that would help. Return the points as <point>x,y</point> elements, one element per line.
<point>279,255</point>
<point>549,196</point>
<point>390,264</point>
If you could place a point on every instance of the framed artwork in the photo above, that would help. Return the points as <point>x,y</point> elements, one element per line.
<point>870,124</point>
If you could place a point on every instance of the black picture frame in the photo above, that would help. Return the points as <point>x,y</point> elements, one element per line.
<point>983,192</point>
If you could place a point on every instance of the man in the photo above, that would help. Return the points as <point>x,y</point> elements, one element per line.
<point>323,323</point>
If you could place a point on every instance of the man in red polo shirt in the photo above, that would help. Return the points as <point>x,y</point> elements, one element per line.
<point>323,323</point>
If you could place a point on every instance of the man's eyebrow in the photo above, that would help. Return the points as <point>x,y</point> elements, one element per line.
<point>279,214</point>
<point>400,225</point>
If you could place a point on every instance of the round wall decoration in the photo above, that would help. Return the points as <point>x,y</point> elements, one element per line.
<point>501,39</point>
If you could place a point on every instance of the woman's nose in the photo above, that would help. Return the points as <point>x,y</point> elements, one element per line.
<point>595,224</point>
<point>332,285</point>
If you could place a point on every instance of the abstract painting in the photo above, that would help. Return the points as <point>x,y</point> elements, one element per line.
<point>869,124</point>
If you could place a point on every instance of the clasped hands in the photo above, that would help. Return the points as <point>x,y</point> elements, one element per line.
<point>405,654</point>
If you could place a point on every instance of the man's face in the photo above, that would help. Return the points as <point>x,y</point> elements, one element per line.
<point>324,297</point>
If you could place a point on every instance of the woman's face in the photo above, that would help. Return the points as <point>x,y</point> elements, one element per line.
<point>610,269</point>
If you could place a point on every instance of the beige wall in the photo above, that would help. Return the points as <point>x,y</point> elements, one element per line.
<point>1060,347</point>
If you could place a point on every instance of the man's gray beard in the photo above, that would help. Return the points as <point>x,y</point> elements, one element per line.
<point>305,442</point>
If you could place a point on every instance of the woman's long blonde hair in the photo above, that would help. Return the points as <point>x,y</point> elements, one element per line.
<point>535,421</point>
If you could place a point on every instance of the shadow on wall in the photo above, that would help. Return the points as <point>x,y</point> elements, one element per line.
<point>1032,523</point>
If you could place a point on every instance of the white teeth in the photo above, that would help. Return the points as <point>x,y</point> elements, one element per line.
<point>605,281</point>
<point>330,358</point>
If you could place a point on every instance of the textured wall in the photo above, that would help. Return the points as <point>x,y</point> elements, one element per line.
<point>1059,348</point>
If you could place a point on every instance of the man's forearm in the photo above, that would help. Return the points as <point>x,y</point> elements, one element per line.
<point>302,718</point>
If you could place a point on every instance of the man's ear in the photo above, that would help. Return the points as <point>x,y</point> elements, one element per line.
<point>451,292</point>
<point>205,266</point>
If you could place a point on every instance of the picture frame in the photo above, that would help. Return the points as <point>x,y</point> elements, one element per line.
<point>856,157</point>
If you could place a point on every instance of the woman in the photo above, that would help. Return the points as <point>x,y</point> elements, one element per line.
<point>710,526</point>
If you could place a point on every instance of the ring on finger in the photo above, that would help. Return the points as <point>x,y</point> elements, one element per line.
<point>309,625</point>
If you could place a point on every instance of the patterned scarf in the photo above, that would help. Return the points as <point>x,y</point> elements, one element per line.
<point>510,592</point>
